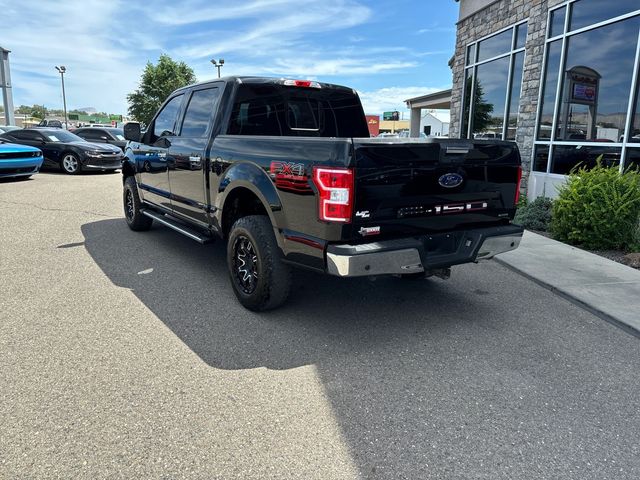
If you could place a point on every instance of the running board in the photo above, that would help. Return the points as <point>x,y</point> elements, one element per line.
<point>177,226</point>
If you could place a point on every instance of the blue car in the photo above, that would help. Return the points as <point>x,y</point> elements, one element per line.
<point>19,161</point>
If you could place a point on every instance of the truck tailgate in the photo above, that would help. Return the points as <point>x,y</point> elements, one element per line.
<point>416,187</point>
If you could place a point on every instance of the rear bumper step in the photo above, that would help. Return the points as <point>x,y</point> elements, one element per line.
<point>421,254</point>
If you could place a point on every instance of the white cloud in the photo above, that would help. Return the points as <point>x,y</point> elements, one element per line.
<point>105,45</point>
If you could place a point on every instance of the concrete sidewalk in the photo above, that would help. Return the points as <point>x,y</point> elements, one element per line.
<point>609,289</point>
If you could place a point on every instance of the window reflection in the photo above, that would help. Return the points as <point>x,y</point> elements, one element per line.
<point>557,22</point>
<point>471,54</point>
<point>596,83</point>
<point>521,35</point>
<point>468,84</point>
<point>514,104</point>
<point>633,158</point>
<point>567,157</point>
<point>549,90</point>
<point>589,12</point>
<point>494,46</point>
<point>489,98</point>
<point>634,134</point>
<point>541,158</point>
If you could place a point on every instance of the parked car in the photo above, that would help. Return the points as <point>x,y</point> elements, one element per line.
<point>285,173</point>
<point>8,128</point>
<point>68,151</point>
<point>18,161</point>
<point>110,135</point>
<point>50,124</point>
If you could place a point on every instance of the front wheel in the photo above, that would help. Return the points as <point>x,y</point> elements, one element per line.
<point>132,205</point>
<point>70,164</point>
<point>260,279</point>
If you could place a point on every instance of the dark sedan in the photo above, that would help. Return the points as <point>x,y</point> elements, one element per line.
<point>68,151</point>
<point>110,135</point>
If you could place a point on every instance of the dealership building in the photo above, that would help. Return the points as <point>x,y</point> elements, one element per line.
<point>561,78</point>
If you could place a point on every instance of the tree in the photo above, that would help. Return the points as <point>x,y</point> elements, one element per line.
<point>36,111</point>
<point>156,83</point>
<point>481,109</point>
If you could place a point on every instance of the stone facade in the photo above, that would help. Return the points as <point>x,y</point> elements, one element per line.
<point>499,15</point>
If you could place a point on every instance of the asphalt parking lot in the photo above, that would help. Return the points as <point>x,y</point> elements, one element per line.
<point>126,355</point>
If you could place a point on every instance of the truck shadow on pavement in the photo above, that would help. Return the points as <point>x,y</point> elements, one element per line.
<point>189,290</point>
<point>483,376</point>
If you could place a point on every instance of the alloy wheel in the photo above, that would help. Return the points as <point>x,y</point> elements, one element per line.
<point>245,264</point>
<point>70,163</point>
<point>129,206</point>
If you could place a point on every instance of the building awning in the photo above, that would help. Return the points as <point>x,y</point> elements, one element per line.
<point>434,101</point>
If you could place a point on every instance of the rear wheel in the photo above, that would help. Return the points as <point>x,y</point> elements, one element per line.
<point>132,205</point>
<point>70,164</point>
<point>260,280</point>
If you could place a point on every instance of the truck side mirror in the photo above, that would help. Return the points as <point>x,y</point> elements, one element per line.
<point>132,131</point>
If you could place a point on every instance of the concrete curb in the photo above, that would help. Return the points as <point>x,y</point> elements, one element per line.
<point>603,287</point>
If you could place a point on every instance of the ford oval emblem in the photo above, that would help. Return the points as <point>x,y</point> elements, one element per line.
<point>450,180</point>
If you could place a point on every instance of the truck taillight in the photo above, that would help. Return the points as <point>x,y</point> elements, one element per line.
<point>518,186</point>
<point>335,189</point>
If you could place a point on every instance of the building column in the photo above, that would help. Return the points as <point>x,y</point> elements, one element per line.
<point>414,124</point>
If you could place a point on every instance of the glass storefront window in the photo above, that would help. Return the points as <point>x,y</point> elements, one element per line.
<point>634,134</point>
<point>521,35</point>
<point>541,158</point>
<point>514,104</point>
<point>567,157</point>
<point>590,12</point>
<point>557,22</point>
<point>471,54</point>
<point>489,98</point>
<point>496,45</point>
<point>633,158</point>
<point>468,84</point>
<point>495,99</point>
<point>596,83</point>
<point>554,50</point>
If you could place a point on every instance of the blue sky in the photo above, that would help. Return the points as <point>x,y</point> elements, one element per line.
<point>387,50</point>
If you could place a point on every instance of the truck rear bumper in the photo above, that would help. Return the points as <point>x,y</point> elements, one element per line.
<point>421,254</point>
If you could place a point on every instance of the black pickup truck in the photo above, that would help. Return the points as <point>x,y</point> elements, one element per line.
<point>284,172</point>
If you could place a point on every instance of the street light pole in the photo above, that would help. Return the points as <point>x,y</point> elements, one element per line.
<point>218,64</point>
<point>62,69</point>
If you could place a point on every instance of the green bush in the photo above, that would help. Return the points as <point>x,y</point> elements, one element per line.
<point>598,209</point>
<point>535,215</point>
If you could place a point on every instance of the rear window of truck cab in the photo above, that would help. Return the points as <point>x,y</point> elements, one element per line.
<point>278,110</point>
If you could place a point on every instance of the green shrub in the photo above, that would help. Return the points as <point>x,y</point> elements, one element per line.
<point>598,208</point>
<point>535,215</point>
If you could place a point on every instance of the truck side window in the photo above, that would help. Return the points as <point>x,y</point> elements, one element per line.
<point>200,110</point>
<point>165,122</point>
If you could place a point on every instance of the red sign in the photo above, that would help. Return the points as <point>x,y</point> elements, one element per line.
<point>373,122</point>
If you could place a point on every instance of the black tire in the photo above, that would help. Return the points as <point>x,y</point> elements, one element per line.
<point>260,279</point>
<point>70,163</point>
<point>132,204</point>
